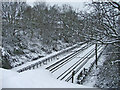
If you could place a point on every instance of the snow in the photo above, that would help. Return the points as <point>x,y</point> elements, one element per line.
<point>92,78</point>
<point>42,78</point>
<point>87,66</point>
<point>43,58</point>
<point>72,62</point>
<point>63,56</point>
<point>38,78</point>
<point>75,59</point>
<point>117,61</point>
<point>91,60</point>
<point>0,79</point>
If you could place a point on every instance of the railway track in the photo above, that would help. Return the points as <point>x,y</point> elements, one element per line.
<point>67,73</point>
<point>74,66</point>
<point>80,66</point>
<point>52,68</point>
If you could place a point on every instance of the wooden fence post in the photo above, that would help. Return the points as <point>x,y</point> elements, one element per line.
<point>37,65</point>
<point>73,73</point>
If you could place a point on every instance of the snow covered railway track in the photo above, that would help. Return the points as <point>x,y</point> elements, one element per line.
<point>43,61</point>
<point>76,70</point>
<point>66,74</point>
<point>74,66</point>
<point>55,66</point>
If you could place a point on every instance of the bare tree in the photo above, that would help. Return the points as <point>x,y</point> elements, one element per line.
<point>104,20</point>
<point>12,11</point>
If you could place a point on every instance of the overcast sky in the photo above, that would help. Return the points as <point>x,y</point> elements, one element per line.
<point>76,4</point>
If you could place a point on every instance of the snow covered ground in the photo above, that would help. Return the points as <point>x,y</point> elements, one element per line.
<point>0,79</point>
<point>92,78</point>
<point>38,78</point>
<point>106,75</point>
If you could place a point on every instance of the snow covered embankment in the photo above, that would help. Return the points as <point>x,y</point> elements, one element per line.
<point>38,78</point>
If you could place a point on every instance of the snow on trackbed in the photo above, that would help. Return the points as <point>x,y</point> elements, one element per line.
<point>38,78</point>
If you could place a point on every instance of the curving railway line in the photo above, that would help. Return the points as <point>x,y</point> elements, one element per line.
<point>63,68</point>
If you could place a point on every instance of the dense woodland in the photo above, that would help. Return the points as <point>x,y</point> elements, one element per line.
<point>31,32</point>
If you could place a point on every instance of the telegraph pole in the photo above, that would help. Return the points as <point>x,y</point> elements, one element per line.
<point>96,59</point>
